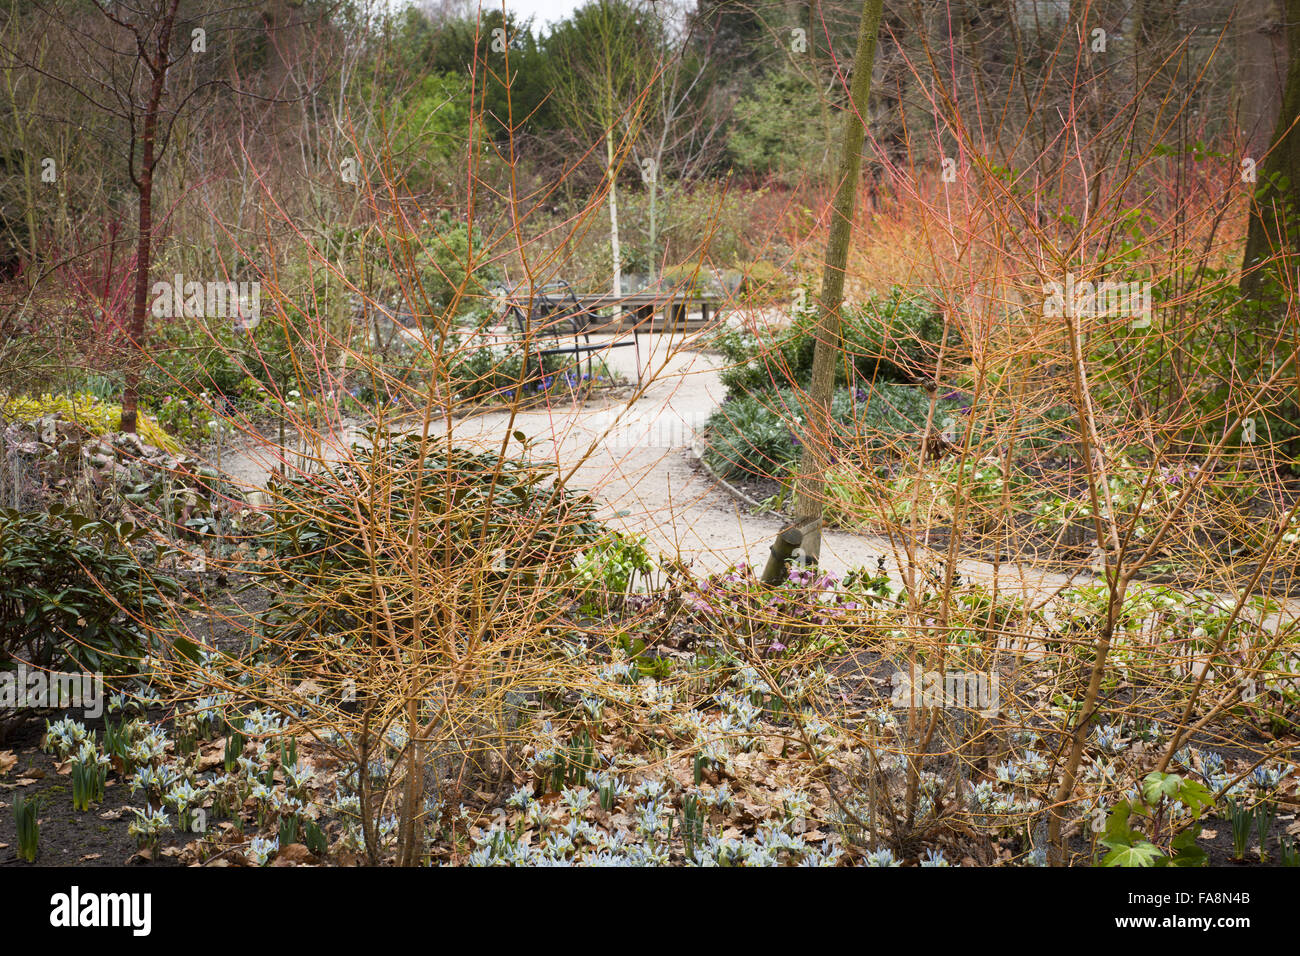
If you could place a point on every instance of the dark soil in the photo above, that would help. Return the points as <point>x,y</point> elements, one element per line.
<point>97,837</point>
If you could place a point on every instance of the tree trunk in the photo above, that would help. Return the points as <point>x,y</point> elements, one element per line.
<point>810,501</point>
<point>1273,227</point>
<point>615,251</point>
<point>144,243</point>
<point>1261,54</point>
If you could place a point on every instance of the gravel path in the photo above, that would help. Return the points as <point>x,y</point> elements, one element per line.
<point>647,478</point>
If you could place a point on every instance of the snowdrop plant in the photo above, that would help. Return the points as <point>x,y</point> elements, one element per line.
<point>152,780</point>
<point>261,850</point>
<point>610,790</point>
<point>576,799</point>
<point>297,778</point>
<point>184,798</point>
<point>148,826</point>
<point>521,799</point>
<point>1108,739</point>
<point>89,773</point>
<point>1266,778</point>
<point>63,737</point>
<point>881,857</point>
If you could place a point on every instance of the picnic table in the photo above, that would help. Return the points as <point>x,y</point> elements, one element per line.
<point>553,319</point>
<point>549,314</point>
<point>637,310</point>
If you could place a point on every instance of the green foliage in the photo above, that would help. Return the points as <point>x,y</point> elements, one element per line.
<point>1140,496</point>
<point>235,743</point>
<point>749,436</point>
<point>764,141</point>
<point>1265,813</point>
<point>694,821</point>
<point>763,282</point>
<point>1290,851</point>
<point>685,214</point>
<point>97,416</point>
<point>599,60</point>
<point>686,279</point>
<point>314,838</point>
<point>892,338</point>
<point>195,355</point>
<point>29,829</point>
<point>471,366</point>
<point>89,773</point>
<point>1159,794</point>
<point>454,47</point>
<point>1210,361</point>
<point>73,591</point>
<point>429,125</point>
<point>1241,819</point>
<point>607,569</point>
<point>568,764</point>
<point>755,434</point>
<point>429,265</point>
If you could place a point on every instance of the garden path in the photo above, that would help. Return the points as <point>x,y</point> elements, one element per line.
<point>646,475</point>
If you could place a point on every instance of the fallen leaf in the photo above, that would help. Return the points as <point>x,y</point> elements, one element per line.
<point>25,781</point>
<point>209,761</point>
<point>1209,834</point>
<point>90,856</point>
<point>7,761</point>
<point>294,853</point>
<point>112,814</point>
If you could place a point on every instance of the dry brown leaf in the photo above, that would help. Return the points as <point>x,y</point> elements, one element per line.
<point>210,761</point>
<point>293,854</point>
<point>7,761</point>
